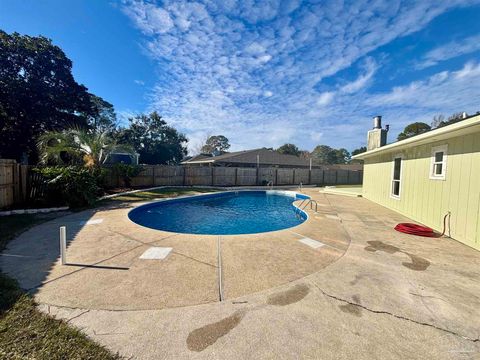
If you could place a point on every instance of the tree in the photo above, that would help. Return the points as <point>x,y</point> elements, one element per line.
<point>102,118</point>
<point>155,141</point>
<point>323,154</point>
<point>413,129</point>
<point>289,149</point>
<point>359,150</point>
<point>78,146</point>
<point>216,144</point>
<point>37,93</point>
<point>304,154</point>
<point>439,121</point>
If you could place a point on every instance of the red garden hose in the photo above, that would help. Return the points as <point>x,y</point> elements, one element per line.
<point>419,230</point>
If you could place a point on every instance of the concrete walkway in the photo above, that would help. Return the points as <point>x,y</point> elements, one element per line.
<point>370,293</point>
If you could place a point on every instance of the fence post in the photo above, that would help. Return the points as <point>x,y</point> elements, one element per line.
<point>336,177</point>
<point>348,177</point>
<point>323,176</point>
<point>63,244</point>
<point>16,183</point>
<point>24,177</point>
<point>236,176</point>
<point>294,177</point>
<point>213,175</point>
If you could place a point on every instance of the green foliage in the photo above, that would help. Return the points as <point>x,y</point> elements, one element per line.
<point>72,185</point>
<point>77,146</point>
<point>37,93</point>
<point>155,141</point>
<point>359,150</point>
<point>126,172</point>
<point>323,154</point>
<point>216,144</point>
<point>289,149</point>
<point>413,130</point>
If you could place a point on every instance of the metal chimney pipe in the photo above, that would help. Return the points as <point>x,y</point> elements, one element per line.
<point>377,122</point>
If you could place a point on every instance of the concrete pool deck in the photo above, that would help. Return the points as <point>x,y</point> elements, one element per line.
<point>368,292</point>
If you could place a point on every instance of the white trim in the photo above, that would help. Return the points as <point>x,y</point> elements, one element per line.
<point>436,149</point>
<point>460,128</point>
<point>397,156</point>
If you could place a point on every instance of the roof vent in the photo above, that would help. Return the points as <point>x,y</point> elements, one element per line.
<point>464,115</point>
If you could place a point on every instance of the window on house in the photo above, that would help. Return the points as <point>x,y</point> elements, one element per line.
<point>397,170</point>
<point>438,166</point>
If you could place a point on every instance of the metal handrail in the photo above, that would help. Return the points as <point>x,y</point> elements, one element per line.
<point>311,202</point>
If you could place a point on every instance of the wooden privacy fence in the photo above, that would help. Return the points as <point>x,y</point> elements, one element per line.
<point>13,182</point>
<point>20,185</point>
<point>159,175</point>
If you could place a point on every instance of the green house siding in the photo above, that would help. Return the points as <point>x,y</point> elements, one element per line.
<point>426,200</point>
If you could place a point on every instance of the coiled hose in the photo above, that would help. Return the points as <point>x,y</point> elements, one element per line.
<point>420,230</point>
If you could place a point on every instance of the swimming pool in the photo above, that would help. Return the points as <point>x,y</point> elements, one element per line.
<point>225,213</point>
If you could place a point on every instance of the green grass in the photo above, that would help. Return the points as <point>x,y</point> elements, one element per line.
<point>27,333</point>
<point>162,193</point>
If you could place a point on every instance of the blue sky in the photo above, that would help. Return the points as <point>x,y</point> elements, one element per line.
<point>268,72</point>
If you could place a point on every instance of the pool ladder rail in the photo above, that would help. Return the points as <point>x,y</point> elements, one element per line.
<point>305,204</point>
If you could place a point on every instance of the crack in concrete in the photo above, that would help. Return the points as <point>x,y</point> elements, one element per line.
<point>77,316</point>
<point>396,316</point>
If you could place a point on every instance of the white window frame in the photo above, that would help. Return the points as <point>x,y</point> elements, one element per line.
<point>392,195</point>
<point>435,150</point>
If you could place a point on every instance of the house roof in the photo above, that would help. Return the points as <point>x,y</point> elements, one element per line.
<point>266,156</point>
<point>460,128</point>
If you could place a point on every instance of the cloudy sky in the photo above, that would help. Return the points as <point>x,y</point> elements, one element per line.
<point>268,72</point>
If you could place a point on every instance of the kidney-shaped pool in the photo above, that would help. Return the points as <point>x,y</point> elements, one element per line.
<point>225,213</point>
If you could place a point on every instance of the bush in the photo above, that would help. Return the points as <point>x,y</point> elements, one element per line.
<point>71,185</point>
<point>126,172</point>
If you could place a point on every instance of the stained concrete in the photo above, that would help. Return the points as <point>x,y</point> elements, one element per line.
<point>376,293</point>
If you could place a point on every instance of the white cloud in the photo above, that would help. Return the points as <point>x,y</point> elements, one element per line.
<point>258,85</point>
<point>325,98</point>
<point>449,51</point>
<point>363,80</point>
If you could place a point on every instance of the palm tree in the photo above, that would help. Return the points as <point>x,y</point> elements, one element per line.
<point>81,145</point>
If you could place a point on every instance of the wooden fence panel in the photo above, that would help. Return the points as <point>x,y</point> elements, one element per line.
<point>317,177</point>
<point>7,182</point>
<point>284,176</point>
<point>168,175</point>
<point>224,176</point>
<point>330,177</point>
<point>301,176</point>
<point>198,176</point>
<point>265,175</point>
<point>145,178</point>
<point>246,176</point>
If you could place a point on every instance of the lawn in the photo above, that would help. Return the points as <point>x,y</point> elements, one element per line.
<point>163,193</point>
<point>27,333</point>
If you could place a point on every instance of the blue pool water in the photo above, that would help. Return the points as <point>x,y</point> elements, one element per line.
<point>228,213</point>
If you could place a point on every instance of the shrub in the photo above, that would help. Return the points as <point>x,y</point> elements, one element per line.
<point>126,172</point>
<point>71,185</point>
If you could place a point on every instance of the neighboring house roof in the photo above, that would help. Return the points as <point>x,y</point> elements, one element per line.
<point>197,158</point>
<point>460,128</point>
<point>266,157</point>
